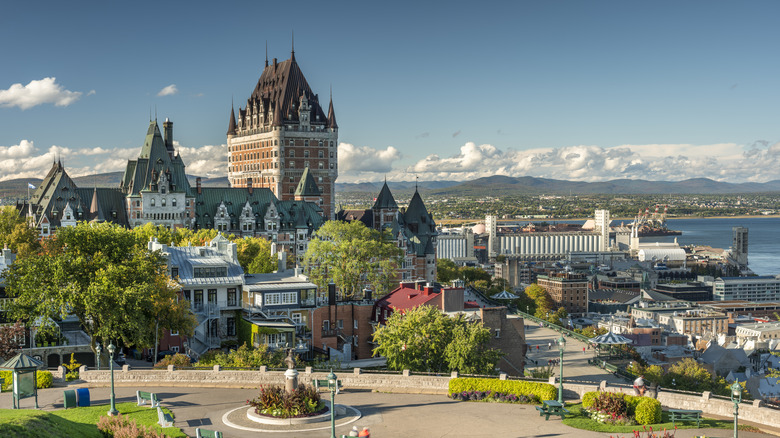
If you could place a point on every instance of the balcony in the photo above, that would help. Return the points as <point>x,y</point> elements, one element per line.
<point>330,333</point>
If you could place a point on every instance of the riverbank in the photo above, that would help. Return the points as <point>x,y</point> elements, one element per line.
<point>583,219</point>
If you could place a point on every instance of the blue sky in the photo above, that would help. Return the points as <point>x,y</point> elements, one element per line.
<point>661,90</point>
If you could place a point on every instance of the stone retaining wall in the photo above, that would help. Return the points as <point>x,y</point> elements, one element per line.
<point>400,383</point>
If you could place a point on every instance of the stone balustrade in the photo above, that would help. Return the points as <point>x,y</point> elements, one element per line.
<point>404,382</point>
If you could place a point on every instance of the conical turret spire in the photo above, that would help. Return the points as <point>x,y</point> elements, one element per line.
<point>332,115</point>
<point>232,124</point>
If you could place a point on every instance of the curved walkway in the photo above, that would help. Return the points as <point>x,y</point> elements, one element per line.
<point>387,415</point>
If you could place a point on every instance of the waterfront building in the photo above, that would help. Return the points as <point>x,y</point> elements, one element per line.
<point>568,290</point>
<point>456,245</point>
<point>765,310</point>
<point>690,291</point>
<point>757,289</point>
<point>739,247</point>
<point>282,131</point>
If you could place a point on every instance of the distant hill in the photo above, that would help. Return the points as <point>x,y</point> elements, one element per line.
<point>487,186</point>
<point>528,185</point>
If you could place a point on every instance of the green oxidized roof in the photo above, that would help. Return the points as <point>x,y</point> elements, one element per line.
<point>210,198</point>
<point>417,226</point>
<point>385,199</point>
<point>21,362</point>
<point>307,186</point>
<point>152,161</point>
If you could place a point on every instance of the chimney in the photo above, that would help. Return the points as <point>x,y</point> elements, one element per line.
<point>331,289</point>
<point>168,134</point>
<point>274,64</point>
<point>249,185</point>
<point>197,184</point>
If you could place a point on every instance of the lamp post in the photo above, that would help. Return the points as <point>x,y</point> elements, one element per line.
<point>111,349</point>
<point>98,350</point>
<point>332,382</point>
<point>736,397</point>
<point>561,347</point>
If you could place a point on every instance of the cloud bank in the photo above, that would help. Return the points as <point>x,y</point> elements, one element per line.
<point>729,162</point>
<point>46,90</point>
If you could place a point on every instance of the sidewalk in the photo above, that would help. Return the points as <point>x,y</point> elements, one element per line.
<point>387,415</point>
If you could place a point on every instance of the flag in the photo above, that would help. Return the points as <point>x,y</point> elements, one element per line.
<point>30,186</point>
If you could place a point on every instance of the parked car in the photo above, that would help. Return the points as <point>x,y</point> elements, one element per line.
<point>161,354</point>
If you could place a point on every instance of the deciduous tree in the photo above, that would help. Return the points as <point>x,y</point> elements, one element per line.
<point>11,340</point>
<point>102,274</point>
<point>254,255</point>
<point>352,256</point>
<point>425,339</point>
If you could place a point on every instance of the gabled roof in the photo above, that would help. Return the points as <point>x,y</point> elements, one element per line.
<point>307,186</point>
<point>405,297</point>
<point>385,199</point>
<point>153,160</point>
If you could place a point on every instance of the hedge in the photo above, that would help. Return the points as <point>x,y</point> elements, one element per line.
<point>45,379</point>
<point>544,391</point>
<point>645,410</point>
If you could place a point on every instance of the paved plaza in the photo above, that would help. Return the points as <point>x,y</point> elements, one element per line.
<point>387,415</point>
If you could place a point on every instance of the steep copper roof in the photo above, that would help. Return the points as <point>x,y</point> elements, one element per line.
<point>332,116</point>
<point>307,186</point>
<point>385,199</point>
<point>232,124</point>
<point>280,87</point>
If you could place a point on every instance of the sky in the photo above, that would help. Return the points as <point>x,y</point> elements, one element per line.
<point>577,90</point>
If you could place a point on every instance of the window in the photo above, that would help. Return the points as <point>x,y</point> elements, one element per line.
<point>173,202</point>
<point>321,154</point>
<point>292,142</point>
<point>291,165</point>
<point>231,297</point>
<point>331,154</point>
<point>186,294</point>
<point>340,323</point>
<point>319,179</point>
<point>174,333</point>
<point>289,298</point>
<point>296,317</point>
<point>212,297</point>
<point>331,143</point>
<point>306,153</point>
<point>354,324</point>
<point>320,165</point>
<point>326,325</point>
<point>231,326</point>
<point>498,333</point>
<point>137,203</point>
<point>198,300</point>
<point>331,165</point>
<point>320,143</point>
<point>151,202</point>
<point>306,143</point>
<point>162,203</point>
<point>292,153</point>
<point>175,348</point>
<point>272,299</point>
<point>174,272</point>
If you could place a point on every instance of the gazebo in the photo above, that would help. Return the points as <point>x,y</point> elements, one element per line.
<point>505,295</point>
<point>610,339</point>
<point>25,375</point>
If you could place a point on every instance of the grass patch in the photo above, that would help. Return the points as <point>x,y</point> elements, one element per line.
<point>579,420</point>
<point>81,422</point>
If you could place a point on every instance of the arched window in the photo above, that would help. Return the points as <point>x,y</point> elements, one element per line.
<point>162,203</point>
<point>151,202</point>
<point>173,202</point>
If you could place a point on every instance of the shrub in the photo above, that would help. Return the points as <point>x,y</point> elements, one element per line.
<point>45,379</point>
<point>542,391</point>
<point>274,401</point>
<point>588,399</point>
<point>177,360</point>
<point>610,403</point>
<point>491,396</point>
<point>122,427</point>
<point>648,411</point>
<point>73,369</point>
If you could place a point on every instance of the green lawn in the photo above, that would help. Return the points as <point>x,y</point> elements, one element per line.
<point>81,422</point>
<point>580,421</point>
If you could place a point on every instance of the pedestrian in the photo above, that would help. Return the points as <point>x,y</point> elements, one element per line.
<point>583,350</point>
<point>537,347</point>
<point>354,431</point>
<point>549,345</point>
<point>365,433</point>
<point>639,386</point>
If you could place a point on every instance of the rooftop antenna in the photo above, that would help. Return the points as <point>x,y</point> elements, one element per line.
<point>266,53</point>
<point>292,54</point>
<point>155,112</point>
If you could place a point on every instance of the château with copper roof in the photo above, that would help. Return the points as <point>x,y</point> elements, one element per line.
<point>280,133</point>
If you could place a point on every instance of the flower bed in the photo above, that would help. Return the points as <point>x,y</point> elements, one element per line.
<point>539,390</point>
<point>494,397</point>
<point>274,401</point>
<point>621,409</point>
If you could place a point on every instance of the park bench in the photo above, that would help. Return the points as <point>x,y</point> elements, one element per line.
<point>151,397</point>
<point>163,419</point>
<point>323,383</point>
<point>685,414</point>
<point>551,407</point>
<point>205,433</point>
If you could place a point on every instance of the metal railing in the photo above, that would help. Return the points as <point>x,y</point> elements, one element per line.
<point>555,327</point>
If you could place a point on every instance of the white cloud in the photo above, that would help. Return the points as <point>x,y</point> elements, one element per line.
<point>169,90</point>
<point>209,161</point>
<point>36,93</point>
<point>91,92</point>
<point>660,162</point>
<point>366,159</point>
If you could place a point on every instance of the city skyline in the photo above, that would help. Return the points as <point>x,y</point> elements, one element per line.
<point>566,90</point>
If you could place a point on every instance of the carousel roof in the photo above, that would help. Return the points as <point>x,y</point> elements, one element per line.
<point>611,338</point>
<point>505,295</point>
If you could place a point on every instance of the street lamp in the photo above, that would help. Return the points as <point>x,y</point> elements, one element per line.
<point>111,349</point>
<point>332,382</point>
<point>736,397</point>
<point>561,347</point>
<point>98,350</point>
